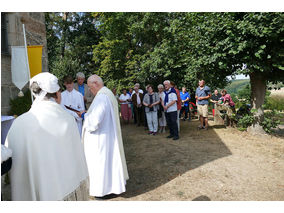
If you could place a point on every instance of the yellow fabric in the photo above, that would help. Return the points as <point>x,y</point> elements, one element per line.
<point>35,61</point>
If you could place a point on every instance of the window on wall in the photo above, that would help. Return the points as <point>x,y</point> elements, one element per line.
<point>4,37</point>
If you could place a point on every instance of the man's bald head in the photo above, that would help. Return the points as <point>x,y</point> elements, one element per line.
<point>95,83</point>
<point>95,78</point>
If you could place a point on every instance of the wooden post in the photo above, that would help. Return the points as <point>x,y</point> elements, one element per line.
<point>25,41</point>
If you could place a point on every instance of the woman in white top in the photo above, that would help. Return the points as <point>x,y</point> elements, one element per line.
<point>126,113</point>
<point>162,117</point>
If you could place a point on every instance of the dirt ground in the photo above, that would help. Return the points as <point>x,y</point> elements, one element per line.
<point>217,164</point>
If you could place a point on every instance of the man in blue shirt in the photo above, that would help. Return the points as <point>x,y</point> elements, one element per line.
<point>185,97</point>
<point>202,95</point>
<point>81,87</point>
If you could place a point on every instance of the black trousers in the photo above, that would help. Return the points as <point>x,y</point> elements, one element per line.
<point>138,112</point>
<point>6,166</point>
<point>184,109</point>
<point>171,118</point>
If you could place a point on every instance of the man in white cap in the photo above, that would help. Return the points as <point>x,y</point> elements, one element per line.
<point>48,157</point>
<point>103,144</point>
<point>83,89</point>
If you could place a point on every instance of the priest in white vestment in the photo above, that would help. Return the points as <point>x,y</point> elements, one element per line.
<point>103,142</point>
<point>48,156</point>
<point>74,99</point>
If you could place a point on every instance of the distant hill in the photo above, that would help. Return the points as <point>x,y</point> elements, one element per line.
<point>236,85</point>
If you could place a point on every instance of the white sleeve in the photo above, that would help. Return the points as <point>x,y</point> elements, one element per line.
<point>82,105</point>
<point>96,116</point>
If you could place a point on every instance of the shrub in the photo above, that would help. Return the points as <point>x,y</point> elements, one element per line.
<point>20,105</point>
<point>245,121</point>
<point>271,120</point>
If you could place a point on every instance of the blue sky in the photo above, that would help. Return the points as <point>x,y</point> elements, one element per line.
<point>239,77</point>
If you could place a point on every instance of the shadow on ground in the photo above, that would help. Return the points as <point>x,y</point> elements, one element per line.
<point>279,131</point>
<point>202,198</point>
<point>155,160</point>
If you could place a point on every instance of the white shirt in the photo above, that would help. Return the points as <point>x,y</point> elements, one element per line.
<point>75,100</point>
<point>172,97</point>
<point>138,98</point>
<point>124,98</point>
<point>140,91</point>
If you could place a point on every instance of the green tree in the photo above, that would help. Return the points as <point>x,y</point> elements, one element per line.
<point>187,47</point>
<point>70,37</point>
<point>235,43</point>
<point>128,46</point>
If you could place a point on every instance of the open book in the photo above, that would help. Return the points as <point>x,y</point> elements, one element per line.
<point>70,108</point>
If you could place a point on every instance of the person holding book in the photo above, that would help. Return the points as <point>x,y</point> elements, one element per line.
<point>72,101</point>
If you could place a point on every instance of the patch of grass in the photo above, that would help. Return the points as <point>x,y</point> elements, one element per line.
<point>180,193</point>
<point>237,85</point>
<point>275,102</point>
<point>242,129</point>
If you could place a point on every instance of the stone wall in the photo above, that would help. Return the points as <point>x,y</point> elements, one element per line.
<point>35,35</point>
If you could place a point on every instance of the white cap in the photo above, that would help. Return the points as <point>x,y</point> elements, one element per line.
<point>47,82</point>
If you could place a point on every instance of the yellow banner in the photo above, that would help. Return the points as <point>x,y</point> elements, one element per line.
<point>35,59</point>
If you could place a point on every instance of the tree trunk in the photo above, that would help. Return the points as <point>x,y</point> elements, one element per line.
<point>258,90</point>
<point>64,31</point>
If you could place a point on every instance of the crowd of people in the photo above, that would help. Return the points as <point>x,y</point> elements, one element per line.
<point>156,110</point>
<point>69,144</point>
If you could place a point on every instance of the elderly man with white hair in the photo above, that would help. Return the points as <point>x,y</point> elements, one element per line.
<point>103,142</point>
<point>139,90</point>
<point>137,99</point>
<point>170,108</point>
<point>48,157</point>
<point>83,89</point>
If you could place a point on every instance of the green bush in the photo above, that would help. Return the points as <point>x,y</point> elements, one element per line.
<point>245,121</point>
<point>271,120</point>
<point>20,105</point>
